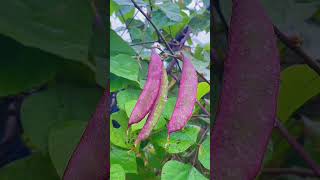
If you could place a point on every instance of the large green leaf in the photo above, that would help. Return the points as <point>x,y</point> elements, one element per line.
<point>56,26</point>
<point>203,89</point>
<point>160,19</point>
<point>118,83</point>
<point>200,22</point>
<point>35,167</point>
<point>171,10</point>
<point>175,170</point>
<point>117,172</point>
<point>61,103</point>
<point>118,45</point>
<point>299,84</point>
<point>179,141</point>
<point>101,72</point>
<point>124,158</point>
<point>127,95</point>
<point>63,138</point>
<point>168,109</point>
<point>118,129</point>
<point>204,153</point>
<point>22,68</point>
<point>125,66</point>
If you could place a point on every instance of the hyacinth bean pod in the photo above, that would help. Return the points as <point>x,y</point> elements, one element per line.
<point>157,109</point>
<point>247,108</point>
<point>187,96</point>
<point>90,158</point>
<point>150,90</point>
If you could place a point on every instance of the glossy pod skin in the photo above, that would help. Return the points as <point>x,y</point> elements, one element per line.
<point>150,90</point>
<point>90,158</point>
<point>247,109</point>
<point>157,109</point>
<point>186,97</point>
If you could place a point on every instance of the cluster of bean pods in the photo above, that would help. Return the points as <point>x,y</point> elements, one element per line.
<point>153,98</point>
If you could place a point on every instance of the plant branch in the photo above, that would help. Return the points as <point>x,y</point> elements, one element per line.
<point>203,135</point>
<point>142,43</point>
<point>163,40</point>
<point>293,171</point>
<point>313,64</point>
<point>291,140</point>
<point>125,23</point>
<point>203,108</point>
<point>154,26</point>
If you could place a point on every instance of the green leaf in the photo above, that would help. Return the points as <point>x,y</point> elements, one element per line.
<point>118,83</point>
<point>117,172</point>
<point>171,10</point>
<point>126,159</point>
<point>113,7</point>
<point>176,28</point>
<point>204,153</point>
<point>34,167</point>
<point>63,138</point>
<point>101,73</point>
<point>23,68</point>
<point>168,109</point>
<point>203,89</point>
<point>56,26</point>
<point>129,108</point>
<point>299,84</point>
<point>119,46</point>
<point>179,141</point>
<point>200,22</point>
<point>174,170</point>
<point>118,129</point>
<point>127,95</point>
<point>160,19</point>
<point>125,66</point>
<point>136,34</point>
<point>61,103</point>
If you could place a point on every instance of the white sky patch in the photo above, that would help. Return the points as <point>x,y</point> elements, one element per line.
<point>196,5</point>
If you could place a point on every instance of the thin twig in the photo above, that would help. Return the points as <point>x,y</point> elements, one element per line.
<point>202,108</point>
<point>200,142</point>
<point>291,140</point>
<point>125,23</point>
<point>154,26</point>
<point>286,171</point>
<point>142,43</point>
<point>313,64</point>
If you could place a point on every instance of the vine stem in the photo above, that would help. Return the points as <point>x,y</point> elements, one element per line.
<point>203,108</point>
<point>163,40</point>
<point>291,140</point>
<point>142,43</point>
<point>313,64</point>
<point>293,171</point>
